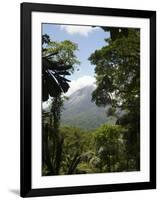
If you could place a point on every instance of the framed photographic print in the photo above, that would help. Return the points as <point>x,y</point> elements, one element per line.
<point>88,99</point>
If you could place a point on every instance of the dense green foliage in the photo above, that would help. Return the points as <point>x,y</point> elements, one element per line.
<point>102,150</point>
<point>118,83</point>
<point>118,71</point>
<point>111,148</point>
<point>58,60</point>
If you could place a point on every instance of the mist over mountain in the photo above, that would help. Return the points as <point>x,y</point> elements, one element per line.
<point>81,112</point>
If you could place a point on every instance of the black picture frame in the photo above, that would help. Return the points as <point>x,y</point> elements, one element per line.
<point>26,104</point>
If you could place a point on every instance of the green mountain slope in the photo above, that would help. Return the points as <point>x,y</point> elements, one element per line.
<point>79,111</point>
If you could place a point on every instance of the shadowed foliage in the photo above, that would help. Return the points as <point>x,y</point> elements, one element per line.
<point>58,61</point>
<point>53,72</point>
<point>118,82</point>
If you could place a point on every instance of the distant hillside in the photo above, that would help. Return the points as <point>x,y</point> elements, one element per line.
<point>79,111</point>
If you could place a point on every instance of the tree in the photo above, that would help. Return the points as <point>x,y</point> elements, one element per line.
<point>74,141</point>
<point>110,148</point>
<point>58,61</point>
<point>118,82</point>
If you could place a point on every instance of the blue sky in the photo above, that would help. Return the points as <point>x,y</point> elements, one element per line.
<point>88,39</point>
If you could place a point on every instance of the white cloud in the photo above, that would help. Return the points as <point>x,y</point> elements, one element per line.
<point>47,105</point>
<point>81,30</point>
<point>74,85</point>
<point>80,83</point>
